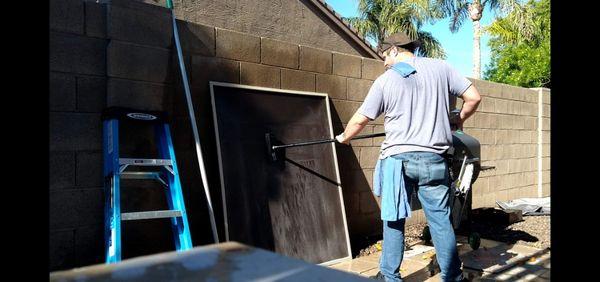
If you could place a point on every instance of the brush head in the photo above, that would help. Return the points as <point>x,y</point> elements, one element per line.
<point>274,155</point>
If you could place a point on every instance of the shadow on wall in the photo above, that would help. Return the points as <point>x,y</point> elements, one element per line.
<point>365,228</point>
<point>183,139</point>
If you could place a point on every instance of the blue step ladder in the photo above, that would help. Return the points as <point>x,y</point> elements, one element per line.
<point>115,169</point>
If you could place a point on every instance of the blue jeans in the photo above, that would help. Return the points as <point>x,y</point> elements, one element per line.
<point>428,174</point>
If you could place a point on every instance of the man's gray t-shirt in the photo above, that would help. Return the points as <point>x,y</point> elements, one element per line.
<point>416,107</point>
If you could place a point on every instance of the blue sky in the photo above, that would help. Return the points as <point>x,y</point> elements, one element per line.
<point>458,46</point>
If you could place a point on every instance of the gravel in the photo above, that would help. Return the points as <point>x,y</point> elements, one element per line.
<point>533,231</point>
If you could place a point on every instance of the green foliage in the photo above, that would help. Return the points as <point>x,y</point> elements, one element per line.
<point>380,18</point>
<point>520,46</point>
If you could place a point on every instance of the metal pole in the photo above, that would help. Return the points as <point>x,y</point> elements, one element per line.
<point>188,97</point>
<point>327,141</point>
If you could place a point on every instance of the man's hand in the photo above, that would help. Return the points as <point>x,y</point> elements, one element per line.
<point>342,139</point>
<point>459,124</point>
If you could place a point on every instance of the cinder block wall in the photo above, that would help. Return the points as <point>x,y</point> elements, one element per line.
<point>122,54</point>
<point>78,46</point>
<point>513,126</point>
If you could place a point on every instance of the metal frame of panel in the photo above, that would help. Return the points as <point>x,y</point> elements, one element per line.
<point>335,160</point>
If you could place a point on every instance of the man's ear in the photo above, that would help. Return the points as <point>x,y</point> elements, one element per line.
<point>393,51</point>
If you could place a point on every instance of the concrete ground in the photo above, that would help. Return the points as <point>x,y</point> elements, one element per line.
<point>493,261</point>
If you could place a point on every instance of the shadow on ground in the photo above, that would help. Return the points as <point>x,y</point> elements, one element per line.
<point>493,227</point>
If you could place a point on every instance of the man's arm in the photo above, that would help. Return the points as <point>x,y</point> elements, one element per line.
<point>471,99</point>
<point>355,126</point>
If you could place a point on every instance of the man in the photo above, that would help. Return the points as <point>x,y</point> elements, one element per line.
<point>413,94</point>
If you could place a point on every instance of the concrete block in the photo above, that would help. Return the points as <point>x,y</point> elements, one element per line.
<point>501,106</point>
<point>546,124</point>
<point>260,75</point>
<point>139,95</point>
<point>502,136</point>
<point>505,152</point>
<point>279,53</point>
<point>368,204</point>
<point>372,69</point>
<point>379,120</point>
<point>89,165</point>
<point>61,169</point>
<point>333,85</point>
<point>206,69</point>
<point>506,92</point>
<point>150,6</point>
<point>485,152</point>
<point>75,131</point>
<point>363,142</point>
<point>298,80</point>
<point>62,92</point>
<point>343,109</point>
<point>533,109</point>
<point>358,89</point>
<point>142,24</point>
<point>513,136</point>
<point>317,60</point>
<point>546,190</point>
<point>481,185</point>
<point>66,16</point>
<point>91,207</point>
<point>501,164</point>
<point>368,157</point>
<point>506,122</point>
<point>351,201</point>
<point>140,62</point>
<point>77,54</point>
<point>545,176</point>
<point>348,158</point>
<point>513,166</point>
<point>546,97</point>
<point>546,110</point>
<point>378,140</point>
<point>511,107</point>
<point>530,123</point>
<point>62,207</point>
<point>488,105</point>
<point>489,136</point>
<point>545,150</point>
<point>546,163</point>
<point>72,208</point>
<point>237,46</point>
<point>87,249</point>
<point>347,65</point>
<point>196,38</point>
<point>469,123</point>
<point>91,94</point>
<point>61,249</point>
<point>524,136</point>
<point>95,19</point>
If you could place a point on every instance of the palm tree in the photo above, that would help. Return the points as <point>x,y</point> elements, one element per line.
<point>526,23</point>
<point>458,10</point>
<point>520,46</point>
<point>380,18</point>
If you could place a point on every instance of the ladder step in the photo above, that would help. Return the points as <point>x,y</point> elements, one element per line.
<point>150,215</point>
<point>144,162</point>
<point>140,175</point>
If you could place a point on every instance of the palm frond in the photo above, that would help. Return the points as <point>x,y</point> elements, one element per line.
<point>430,46</point>
<point>459,14</point>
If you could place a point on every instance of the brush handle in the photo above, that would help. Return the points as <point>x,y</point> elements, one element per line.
<point>368,136</point>
<point>327,141</point>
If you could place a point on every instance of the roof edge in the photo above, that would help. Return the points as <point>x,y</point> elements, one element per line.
<point>345,26</point>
